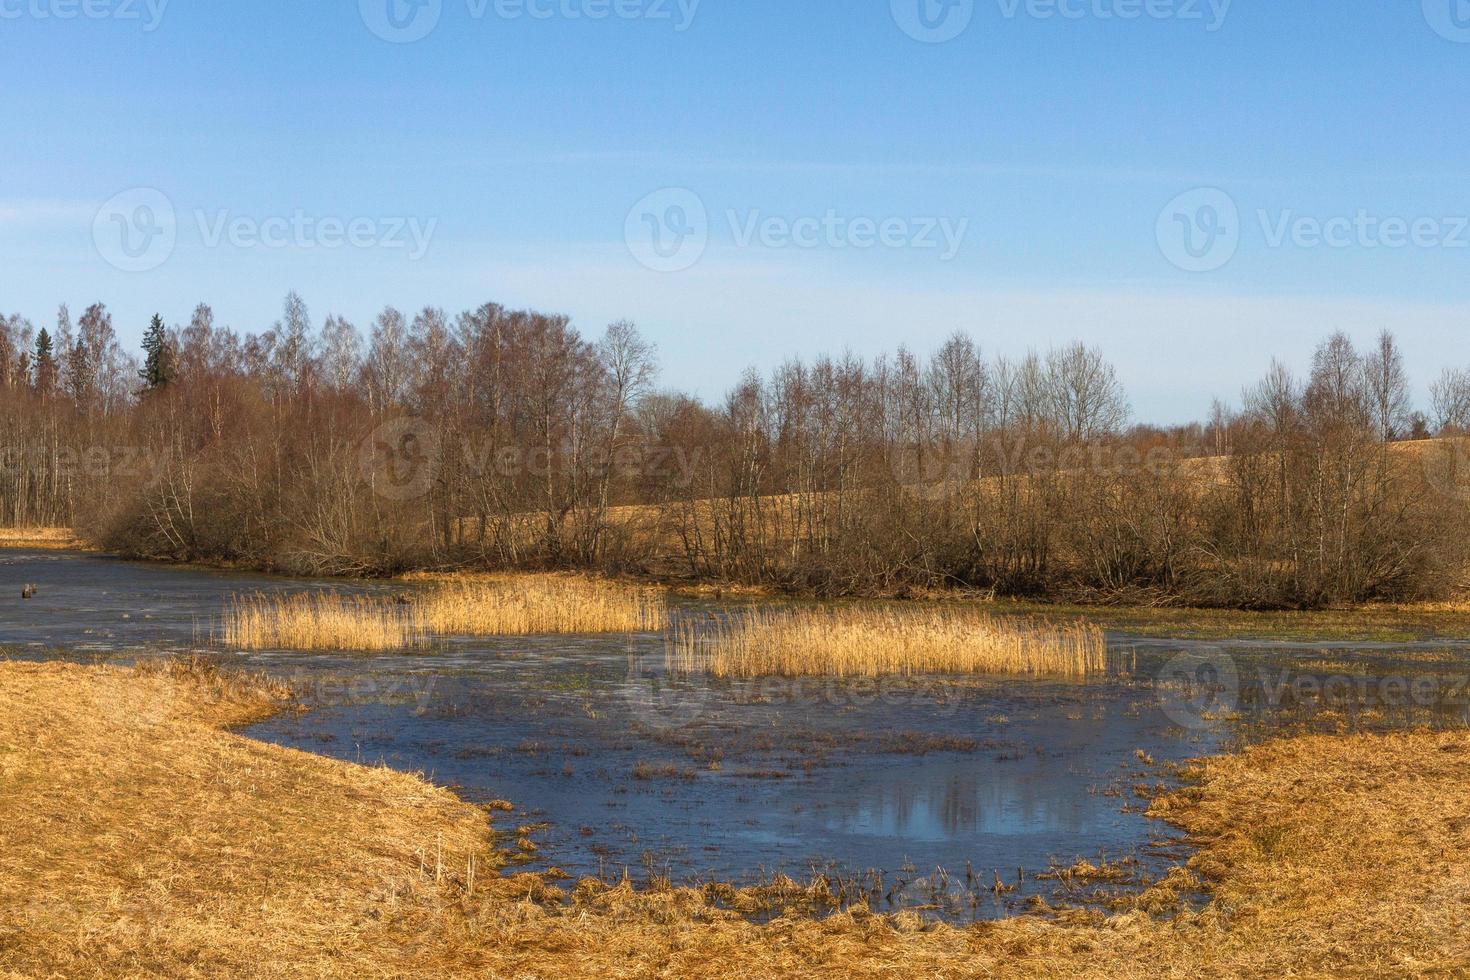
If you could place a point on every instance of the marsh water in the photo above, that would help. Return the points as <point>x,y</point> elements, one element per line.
<point>939,785</point>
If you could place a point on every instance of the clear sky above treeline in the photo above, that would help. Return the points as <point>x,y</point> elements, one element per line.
<point>869,172</point>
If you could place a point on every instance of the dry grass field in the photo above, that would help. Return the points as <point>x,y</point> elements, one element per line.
<point>881,641</point>
<point>522,605</point>
<point>139,838</point>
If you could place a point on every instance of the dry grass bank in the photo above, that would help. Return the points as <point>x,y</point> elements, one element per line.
<point>863,641</point>
<point>41,539</point>
<point>137,838</point>
<point>523,605</point>
<point>1373,623</point>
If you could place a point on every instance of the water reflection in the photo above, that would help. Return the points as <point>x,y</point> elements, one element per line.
<point>944,805</point>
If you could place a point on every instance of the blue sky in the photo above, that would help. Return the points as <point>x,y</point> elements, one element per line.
<point>517,146</point>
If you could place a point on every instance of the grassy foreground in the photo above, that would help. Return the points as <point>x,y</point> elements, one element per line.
<point>139,838</point>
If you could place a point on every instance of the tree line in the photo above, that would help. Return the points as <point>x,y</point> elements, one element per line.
<point>500,438</point>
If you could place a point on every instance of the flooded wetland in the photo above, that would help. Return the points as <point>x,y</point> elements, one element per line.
<point>964,797</point>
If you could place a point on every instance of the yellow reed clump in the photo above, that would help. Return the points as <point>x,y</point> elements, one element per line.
<point>541,604</point>
<point>323,621</point>
<point>518,606</point>
<point>877,642</point>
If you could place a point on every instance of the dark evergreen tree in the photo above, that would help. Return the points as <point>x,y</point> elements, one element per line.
<point>158,365</point>
<point>44,364</point>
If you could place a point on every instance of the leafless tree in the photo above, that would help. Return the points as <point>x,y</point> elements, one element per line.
<point>294,347</point>
<point>1388,388</point>
<point>388,364</point>
<point>629,364</point>
<point>341,347</point>
<point>1450,400</point>
<point>1084,393</point>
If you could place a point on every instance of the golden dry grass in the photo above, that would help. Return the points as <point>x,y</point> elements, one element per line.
<point>138,839</point>
<point>865,641</point>
<point>319,621</point>
<point>1459,605</point>
<point>529,605</point>
<point>526,605</point>
<point>40,538</point>
<point>1374,623</point>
